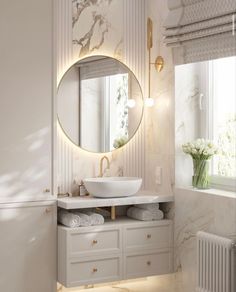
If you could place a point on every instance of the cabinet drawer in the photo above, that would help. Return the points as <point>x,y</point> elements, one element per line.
<point>94,271</point>
<point>154,263</point>
<point>149,237</point>
<point>94,241</point>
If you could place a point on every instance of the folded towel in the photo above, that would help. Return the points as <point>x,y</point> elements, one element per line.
<point>144,215</point>
<point>85,220</point>
<point>149,207</point>
<point>68,219</point>
<point>96,219</point>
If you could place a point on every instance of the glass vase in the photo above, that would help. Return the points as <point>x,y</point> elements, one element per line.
<point>201,178</point>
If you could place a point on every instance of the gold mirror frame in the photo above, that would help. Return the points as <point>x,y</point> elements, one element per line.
<point>141,117</point>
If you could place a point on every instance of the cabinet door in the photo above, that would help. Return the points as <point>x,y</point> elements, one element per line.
<point>28,248</point>
<point>26,86</point>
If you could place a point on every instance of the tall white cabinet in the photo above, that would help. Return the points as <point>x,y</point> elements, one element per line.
<point>28,247</point>
<point>27,207</point>
<point>26,87</point>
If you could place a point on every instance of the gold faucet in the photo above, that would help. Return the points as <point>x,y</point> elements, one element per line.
<point>101,165</point>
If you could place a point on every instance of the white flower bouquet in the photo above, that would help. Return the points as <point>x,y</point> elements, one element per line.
<point>201,151</point>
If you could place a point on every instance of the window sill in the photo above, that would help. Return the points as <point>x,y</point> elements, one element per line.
<point>215,192</point>
<point>224,183</point>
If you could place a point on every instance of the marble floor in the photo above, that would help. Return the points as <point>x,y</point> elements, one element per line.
<point>151,284</point>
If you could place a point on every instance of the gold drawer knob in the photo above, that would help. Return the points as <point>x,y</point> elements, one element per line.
<point>95,241</point>
<point>149,236</point>
<point>46,191</point>
<point>148,263</point>
<point>95,270</point>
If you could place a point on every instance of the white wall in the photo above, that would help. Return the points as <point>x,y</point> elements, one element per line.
<point>187,118</point>
<point>160,118</point>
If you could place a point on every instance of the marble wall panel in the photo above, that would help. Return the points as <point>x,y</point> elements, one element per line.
<point>195,211</point>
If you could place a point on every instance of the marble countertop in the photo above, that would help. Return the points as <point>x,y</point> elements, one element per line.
<point>142,197</point>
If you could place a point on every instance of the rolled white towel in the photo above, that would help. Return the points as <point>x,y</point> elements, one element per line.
<point>85,220</point>
<point>157,215</point>
<point>68,219</point>
<point>139,214</point>
<point>96,219</point>
<point>149,207</point>
<point>144,215</point>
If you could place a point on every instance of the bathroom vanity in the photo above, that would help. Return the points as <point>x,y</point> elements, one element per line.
<point>117,250</point>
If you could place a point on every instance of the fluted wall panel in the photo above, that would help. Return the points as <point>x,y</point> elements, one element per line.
<point>64,60</point>
<point>135,58</point>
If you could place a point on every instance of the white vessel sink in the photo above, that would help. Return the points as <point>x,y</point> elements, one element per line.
<point>112,187</point>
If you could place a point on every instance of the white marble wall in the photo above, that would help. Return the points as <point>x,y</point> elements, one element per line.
<point>187,118</point>
<point>118,28</point>
<point>115,28</point>
<point>98,27</point>
<point>160,118</point>
<point>195,211</point>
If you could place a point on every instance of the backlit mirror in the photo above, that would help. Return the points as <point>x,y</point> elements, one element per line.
<point>100,104</point>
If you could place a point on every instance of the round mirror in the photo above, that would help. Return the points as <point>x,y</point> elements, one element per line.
<point>100,104</point>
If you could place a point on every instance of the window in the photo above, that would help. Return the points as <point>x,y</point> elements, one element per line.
<point>108,119</point>
<point>220,118</point>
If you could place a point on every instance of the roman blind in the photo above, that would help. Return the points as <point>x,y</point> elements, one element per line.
<point>200,29</point>
<point>100,68</point>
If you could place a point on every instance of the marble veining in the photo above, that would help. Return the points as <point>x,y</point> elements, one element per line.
<point>199,211</point>
<point>102,29</point>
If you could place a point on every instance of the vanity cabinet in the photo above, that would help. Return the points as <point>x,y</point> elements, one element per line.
<point>148,249</point>
<point>28,247</point>
<point>117,250</point>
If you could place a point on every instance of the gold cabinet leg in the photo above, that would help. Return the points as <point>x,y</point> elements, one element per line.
<point>113,213</point>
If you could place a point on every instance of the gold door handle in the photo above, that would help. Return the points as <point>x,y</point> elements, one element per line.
<point>95,241</point>
<point>148,263</point>
<point>95,270</point>
<point>149,236</point>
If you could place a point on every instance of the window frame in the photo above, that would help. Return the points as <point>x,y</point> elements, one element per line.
<point>206,105</point>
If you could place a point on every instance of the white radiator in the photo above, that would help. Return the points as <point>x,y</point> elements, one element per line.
<point>216,263</point>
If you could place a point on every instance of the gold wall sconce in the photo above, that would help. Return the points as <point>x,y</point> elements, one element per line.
<point>159,62</point>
